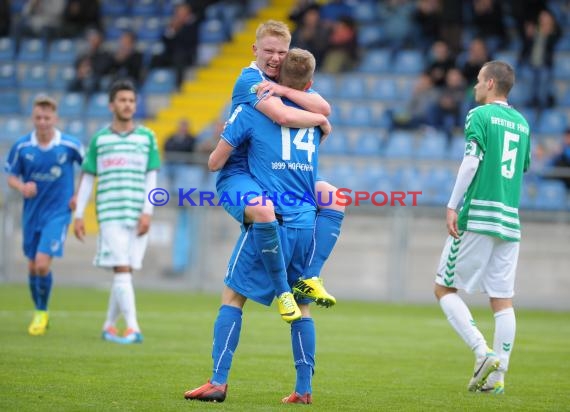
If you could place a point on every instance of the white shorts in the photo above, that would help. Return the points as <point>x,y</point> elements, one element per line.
<point>479,263</point>
<point>119,245</point>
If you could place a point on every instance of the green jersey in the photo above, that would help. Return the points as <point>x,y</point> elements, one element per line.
<point>120,162</point>
<point>499,135</point>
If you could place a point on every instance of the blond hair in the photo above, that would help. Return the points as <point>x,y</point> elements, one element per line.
<point>43,100</point>
<point>273,28</point>
<point>297,69</point>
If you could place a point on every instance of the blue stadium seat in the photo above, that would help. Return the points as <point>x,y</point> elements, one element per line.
<point>377,178</point>
<point>206,52</point>
<point>116,26</point>
<point>365,12</point>
<point>160,81</point>
<point>368,143</point>
<point>212,31</point>
<point>335,118</point>
<point>432,146</point>
<point>352,87</point>
<point>456,149</point>
<point>77,128</point>
<point>145,8</point>
<point>35,77</point>
<point>552,121</point>
<point>408,62</point>
<point>72,106</point>
<point>63,51</point>
<point>98,106</point>
<point>371,35</point>
<point>113,8</point>
<point>383,89</point>
<point>400,145</point>
<point>13,128</point>
<point>151,29</point>
<point>7,49</point>
<point>437,186</point>
<point>336,143</point>
<point>62,76</point>
<point>187,177</point>
<point>32,50</point>
<point>562,66</point>
<point>10,102</point>
<point>358,115</point>
<point>519,94</point>
<point>325,85</point>
<point>551,195</point>
<point>8,76</point>
<point>376,61</point>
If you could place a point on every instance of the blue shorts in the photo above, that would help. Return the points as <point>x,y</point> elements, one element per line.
<point>48,240</point>
<point>246,274</point>
<point>234,188</point>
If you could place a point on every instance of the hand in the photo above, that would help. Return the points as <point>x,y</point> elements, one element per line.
<point>266,89</point>
<point>73,203</point>
<point>79,229</point>
<point>451,219</point>
<point>29,189</point>
<point>327,129</point>
<point>143,225</point>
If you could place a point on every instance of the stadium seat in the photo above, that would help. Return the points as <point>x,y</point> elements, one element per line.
<point>32,50</point>
<point>62,76</point>
<point>551,195</point>
<point>145,8</point>
<point>377,177</point>
<point>187,177</point>
<point>352,87</point>
<point>98,106</point>
<point>13,128</point>
<point>383,89</point>
<point>551,121</point>
<point>367,143</point>
<point>7,49</point>
<point>519,94</point>
<point>116,26</point>
<point>78,129</point>
<point>206,52</point>
<point>35,77</point>
<point>432,146</point>
<point>113,8</point>
<point>456,149</point>
<point>437,186</point>
<point>72,106</point>
<point>10,102</point>
<point>408,62</point>
<point>562,66</point>
<point>212,31</point>
<point>358,115</point>
<point>370,35</point>
<point>376,61</point>
<point>400,145</point>
<point>8,76</point>
<point>151,29</point>
<point>160,81</point>
<point>336,143</point>
<point>325,85</point>
<point>63,51</point>
<point>365,12</point>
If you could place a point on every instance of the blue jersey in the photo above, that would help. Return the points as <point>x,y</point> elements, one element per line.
<point>51,168</point>
<point>283,161</point>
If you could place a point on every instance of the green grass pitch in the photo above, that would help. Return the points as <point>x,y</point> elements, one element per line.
<point>370,357</point>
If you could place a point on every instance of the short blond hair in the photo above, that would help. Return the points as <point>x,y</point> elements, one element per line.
<point>273,28</point>
<point>297,69</point>
<point>43,100</point>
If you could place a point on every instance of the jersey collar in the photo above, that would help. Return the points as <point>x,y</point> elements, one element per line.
<point>56,140</point>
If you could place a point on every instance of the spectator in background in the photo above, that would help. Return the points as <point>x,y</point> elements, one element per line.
<point>451,29</point>
<point>182,141</point>
<point>335,10</point>
<point>525,12</point>
<point>448,113</point>
<point>561,161</point>
<point>489,24</point>
<point>477,55</point>
<point>180,41</point>
<point>311,34</point>
<point>5,18</point>
<point>396,18</point>
<point>127,60</point>
<point>439,63</point>
<point>538,55</point>
<point>92,65</point>
<point>426,20</point>
<point>418,110</point>
<point>299,9</point>
<point>79,15</point>
<point>40,18</point>
<point>342,52</point>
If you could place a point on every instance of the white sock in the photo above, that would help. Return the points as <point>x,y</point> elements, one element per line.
<point>460,318</point>
<point>123,288</point>
<point>113,310</point>
<point>504,339</point>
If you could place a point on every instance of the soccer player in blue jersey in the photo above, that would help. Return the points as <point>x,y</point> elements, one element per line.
<point>40,166</point>
<point>256,87</point>
<point>282,161</point>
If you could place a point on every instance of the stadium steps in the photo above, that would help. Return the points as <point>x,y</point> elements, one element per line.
<point>202,100</point>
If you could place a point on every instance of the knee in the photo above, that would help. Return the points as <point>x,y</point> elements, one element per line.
<point>42,267</point>
<point>440,291</point>
<point>261,210</point>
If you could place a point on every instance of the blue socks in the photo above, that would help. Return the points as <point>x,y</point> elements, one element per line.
<point>268,242</point>
<point>226,338</point>
<point>303,343</point>
<point>40,287</point>
<point>327,231</point>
